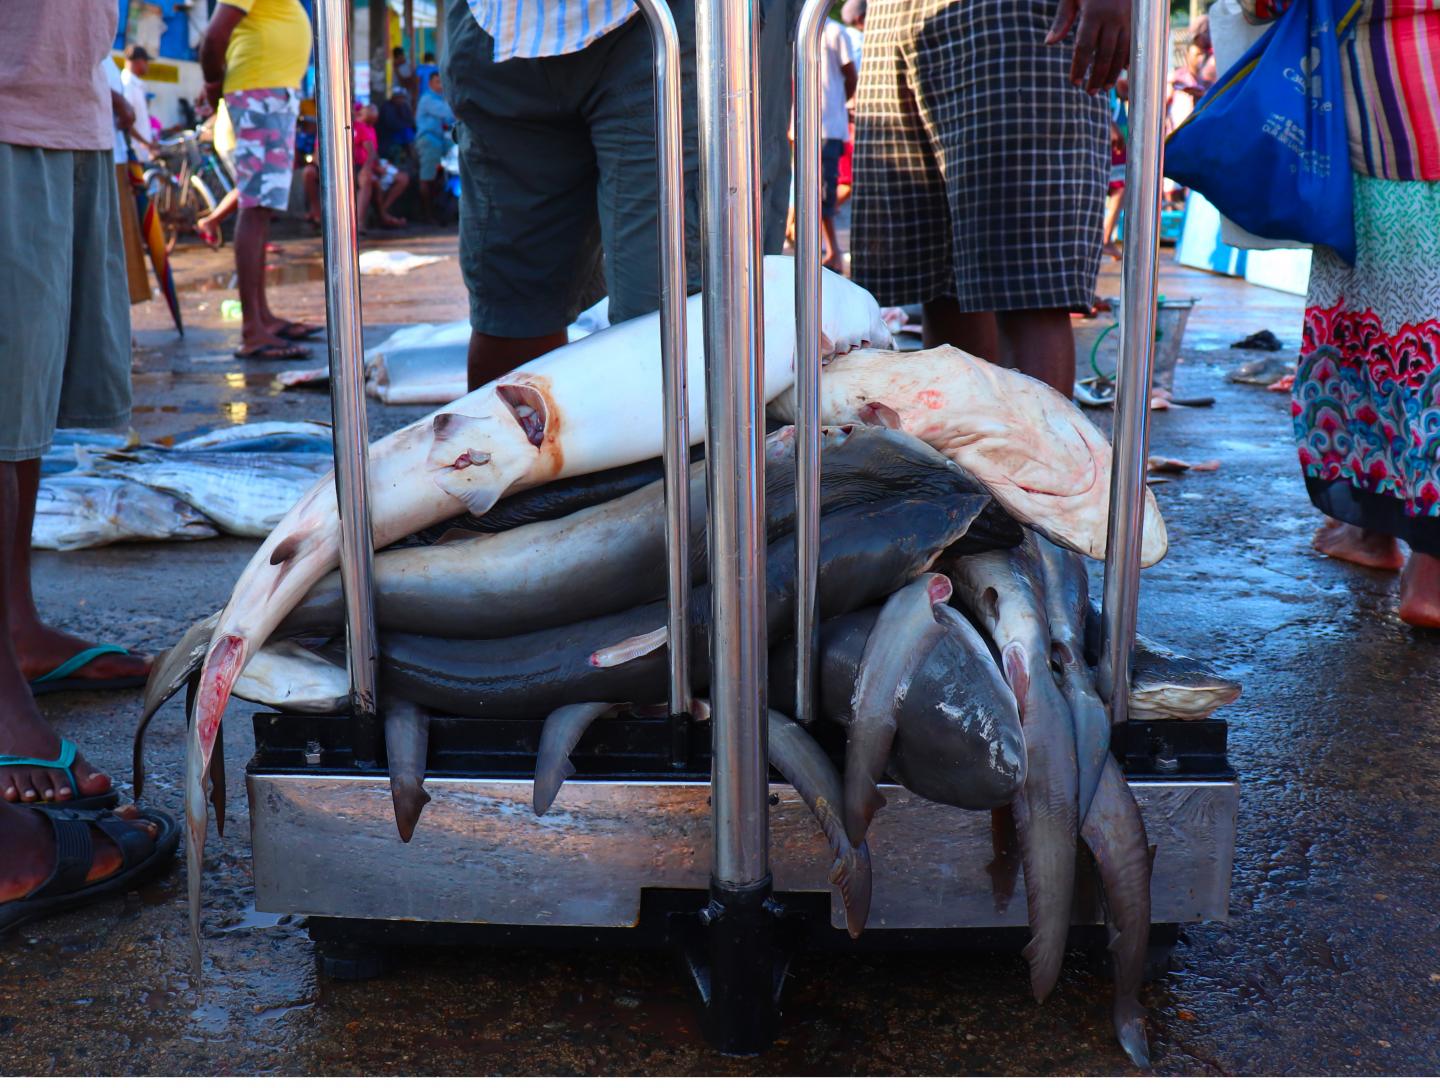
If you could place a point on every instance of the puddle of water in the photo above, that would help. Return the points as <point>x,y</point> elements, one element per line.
<point>251,918</point>
<point>276,275</point>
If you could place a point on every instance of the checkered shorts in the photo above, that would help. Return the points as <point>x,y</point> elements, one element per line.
<point>979,169</point>
<point>264,123</point>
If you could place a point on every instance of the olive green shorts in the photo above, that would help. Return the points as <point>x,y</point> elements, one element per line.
<point>64,298</point>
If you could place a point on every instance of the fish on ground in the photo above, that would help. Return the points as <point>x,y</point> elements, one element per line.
<point>1045,461</point>
<point>1002,593</point>
<point>245,494</point>
<point>265,436</point>
<point>74,511</point>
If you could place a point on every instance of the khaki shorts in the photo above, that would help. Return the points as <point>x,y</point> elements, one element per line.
<point>64,298</point>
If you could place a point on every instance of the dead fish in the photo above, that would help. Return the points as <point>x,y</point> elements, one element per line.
<point>246,494</point>
<point>74,511</point>
<point>958,740</point>
<point>866,553</point>
<point>267,436</point>
<point>801,762</point>
<point>1045,461</point>
<point>903,634</point>
<point>1115,834</point>
<point>1165,685</point>
<point>407,743</point>
<point>610,557</point>
<point>562,730</point>
<point>169,673</point>
<point>1067,598</point>
<point>285,675</point>
<point>1168,686</point>
<point>1001,592</point>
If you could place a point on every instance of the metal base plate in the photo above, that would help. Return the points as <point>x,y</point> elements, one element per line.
<point>326,845</point>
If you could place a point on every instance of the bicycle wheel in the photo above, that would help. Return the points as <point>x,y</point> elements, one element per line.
<point>196,201</point>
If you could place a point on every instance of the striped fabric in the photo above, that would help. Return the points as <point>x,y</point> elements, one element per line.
<point>1392,84</point>
<point>547,28</point>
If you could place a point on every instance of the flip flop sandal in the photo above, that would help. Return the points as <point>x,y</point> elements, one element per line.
<point>63,678</point>
<point>298,330</point>
<point>278,353</point>
<point>65,761</point>
<point>65,888</point>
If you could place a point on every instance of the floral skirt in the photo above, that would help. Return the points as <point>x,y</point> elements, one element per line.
<point>1367,389</point>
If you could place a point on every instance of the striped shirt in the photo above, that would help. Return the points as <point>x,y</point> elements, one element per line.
<point>547,28</point>
<point>1392,85</point>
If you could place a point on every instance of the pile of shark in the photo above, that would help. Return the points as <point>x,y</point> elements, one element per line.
<point>522,575</point>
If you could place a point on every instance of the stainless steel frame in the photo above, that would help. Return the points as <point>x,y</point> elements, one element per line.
<point>807,351</point>
<point>1138,275</point>
<point>347,377</point>
<point>674,348</point>
<point>481,855</point>
<point>725,52</point>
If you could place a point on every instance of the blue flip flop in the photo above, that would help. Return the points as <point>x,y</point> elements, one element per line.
<point>65,761</point>
<point>63,678</point>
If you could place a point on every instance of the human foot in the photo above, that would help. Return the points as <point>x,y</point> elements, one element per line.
<point>1420,591</point>
<point>41,649</point>
<point>1359,546</point>
<point>30,841</point>
<point>25,734</point>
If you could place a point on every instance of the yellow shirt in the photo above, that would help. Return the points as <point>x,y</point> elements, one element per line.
<point>270,47</point>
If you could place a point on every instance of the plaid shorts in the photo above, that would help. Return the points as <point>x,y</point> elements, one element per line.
<point>980,170</point>
<point>264,122</point>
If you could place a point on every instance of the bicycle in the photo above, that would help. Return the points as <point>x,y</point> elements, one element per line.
<point>185,181</point>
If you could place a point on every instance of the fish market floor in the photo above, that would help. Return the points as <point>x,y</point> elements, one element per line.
<point>1328,964</point>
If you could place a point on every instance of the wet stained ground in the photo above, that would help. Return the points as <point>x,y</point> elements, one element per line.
<point>1329,963</point>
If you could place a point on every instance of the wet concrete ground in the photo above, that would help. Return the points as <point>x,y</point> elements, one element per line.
<point>1330,962</point>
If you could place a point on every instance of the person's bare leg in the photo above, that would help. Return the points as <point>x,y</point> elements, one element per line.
<point>834,260</point>
<point>1420,591</point>
<point>1353,544</point>
<point>311,177</point>
<point>1039,343</point>
<point>208,224</point>
<point>1113,201</point>
<point>252,231</point>
<point>29,854</point>
<point>492,356</point>
<point>23,731</point>
<point>388,198</point>
<point>364,193</point>
<point>943,322</point>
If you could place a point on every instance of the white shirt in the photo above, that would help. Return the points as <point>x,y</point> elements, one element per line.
<point>135,94</point>
<point>835,51</point>
<point>112,76</point>
<point>547,28</point>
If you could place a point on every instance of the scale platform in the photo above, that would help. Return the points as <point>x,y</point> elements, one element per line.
<point>627,842</point>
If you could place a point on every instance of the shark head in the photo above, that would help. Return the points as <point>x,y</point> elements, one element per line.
<point>476,459</point>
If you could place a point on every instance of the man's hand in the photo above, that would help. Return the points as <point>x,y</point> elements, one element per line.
<point>1102,44</point>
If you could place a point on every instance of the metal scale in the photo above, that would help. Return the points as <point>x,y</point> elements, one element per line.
<point>672,831</point>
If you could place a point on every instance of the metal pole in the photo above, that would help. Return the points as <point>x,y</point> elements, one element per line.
<point>807,351</point>
<point>1138,273</point>
<point>673,347</point>
<point>347,381</point>
<point>730,194</point>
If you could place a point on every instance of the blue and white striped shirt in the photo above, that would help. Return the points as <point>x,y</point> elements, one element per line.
<point>547,28</point>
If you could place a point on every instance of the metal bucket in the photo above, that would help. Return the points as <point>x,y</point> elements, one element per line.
<point>1102,350</point>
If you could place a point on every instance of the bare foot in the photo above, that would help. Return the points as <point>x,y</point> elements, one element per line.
<point>29,855</point>
<point>1359,546</point>
<point>39,649</point>
<point>23,732</point>
<point>1420,591</point>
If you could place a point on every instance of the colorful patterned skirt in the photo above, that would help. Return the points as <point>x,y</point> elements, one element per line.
<point>1367,389</point>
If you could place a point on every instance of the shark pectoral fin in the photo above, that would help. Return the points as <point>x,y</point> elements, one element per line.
<point>630,649</point>
<point>478,495</point>
<point>880,415</point>
<point>559,735</point>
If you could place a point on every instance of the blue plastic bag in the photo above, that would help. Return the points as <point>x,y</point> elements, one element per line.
<point>1268,145</point>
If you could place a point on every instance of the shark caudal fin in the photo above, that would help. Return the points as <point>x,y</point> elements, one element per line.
<point>558,737</point>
